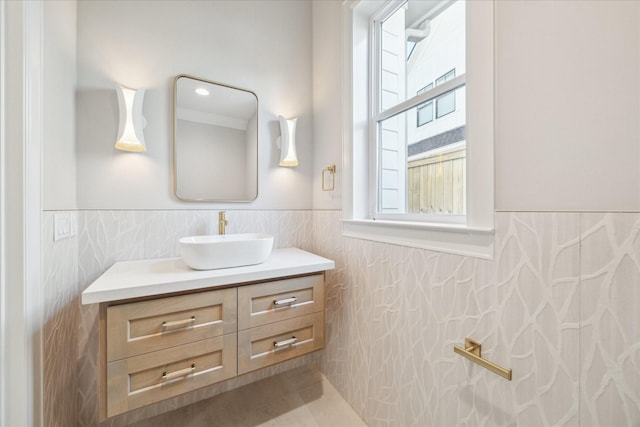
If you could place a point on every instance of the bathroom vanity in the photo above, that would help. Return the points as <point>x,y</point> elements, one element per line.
<point>166,330</point>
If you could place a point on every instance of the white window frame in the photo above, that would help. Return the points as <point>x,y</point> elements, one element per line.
<point>473,237</point>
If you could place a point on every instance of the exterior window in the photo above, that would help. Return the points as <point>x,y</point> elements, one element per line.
<point>425,111</point>
<point>408,101</point>
<point>445,104</point>
<point>420,170</point>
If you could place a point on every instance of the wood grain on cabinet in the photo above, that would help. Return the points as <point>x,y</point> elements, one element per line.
<point>299,296</point>
<point>165,346</point>
<point>141,327</point>
<point>257,347</point>
<point>144,379</point>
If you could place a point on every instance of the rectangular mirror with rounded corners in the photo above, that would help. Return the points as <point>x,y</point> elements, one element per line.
<point>215,141</point>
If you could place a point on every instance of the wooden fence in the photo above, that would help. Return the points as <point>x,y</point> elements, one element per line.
<point>437,184</point>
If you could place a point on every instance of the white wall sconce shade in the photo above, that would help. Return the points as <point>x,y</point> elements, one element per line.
<point>287,142</point>
<point>131,123</point>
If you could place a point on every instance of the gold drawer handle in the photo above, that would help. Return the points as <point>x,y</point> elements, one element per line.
<point>175,323</point>
<point>284,301</point>
<point>181,373</point>
<point>473,352</point>
<point>285,343</point>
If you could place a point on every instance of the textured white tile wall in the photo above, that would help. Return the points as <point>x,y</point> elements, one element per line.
<point>559,304</point>
<point>60,326</point>
<point>395,313</point>
<point>610,320</point>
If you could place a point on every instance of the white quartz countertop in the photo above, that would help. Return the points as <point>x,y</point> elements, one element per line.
<point>134,279</point>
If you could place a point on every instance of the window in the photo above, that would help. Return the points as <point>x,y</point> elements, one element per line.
<point>417,174</point>
<point>425,111</point>
<point>419,73</point>
<point>445,104</point>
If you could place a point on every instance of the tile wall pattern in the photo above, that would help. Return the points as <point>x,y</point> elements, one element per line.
<point>60,326</point>
<point>394,314</point>
<point>610,320</point>
<point>559,304</point>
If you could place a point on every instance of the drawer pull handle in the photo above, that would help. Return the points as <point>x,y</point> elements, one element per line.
<point>175,323</point>
<point>284,343</point>
<point>285,301</point>
<point>181,373</point>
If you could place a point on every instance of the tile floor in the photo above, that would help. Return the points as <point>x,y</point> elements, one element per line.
<point>301,397</point>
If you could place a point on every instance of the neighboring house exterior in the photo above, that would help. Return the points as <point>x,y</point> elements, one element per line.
<point>423,159</point>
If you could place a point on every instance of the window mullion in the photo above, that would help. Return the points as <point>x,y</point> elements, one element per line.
<point>426,96</point>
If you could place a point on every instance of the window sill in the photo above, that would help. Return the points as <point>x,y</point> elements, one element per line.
<point>451,238</point>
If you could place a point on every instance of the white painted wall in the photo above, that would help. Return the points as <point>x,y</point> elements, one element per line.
<point>568,106</point>
<point>567,103</point>
<point>327,100</point>
<point>59,149</point>
<point>262,46</point>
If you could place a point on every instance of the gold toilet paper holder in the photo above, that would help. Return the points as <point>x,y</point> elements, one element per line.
<point>473,351</point>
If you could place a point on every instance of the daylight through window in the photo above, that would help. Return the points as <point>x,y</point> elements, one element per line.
<point>419,115</point>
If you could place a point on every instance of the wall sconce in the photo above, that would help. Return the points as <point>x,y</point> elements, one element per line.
<point>131,123</point>
<point>287,142</point>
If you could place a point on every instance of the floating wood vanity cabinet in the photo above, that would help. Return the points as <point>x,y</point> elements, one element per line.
<point>165,337</point>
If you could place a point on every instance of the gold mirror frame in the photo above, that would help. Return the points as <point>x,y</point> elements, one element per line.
<point>223,117</point>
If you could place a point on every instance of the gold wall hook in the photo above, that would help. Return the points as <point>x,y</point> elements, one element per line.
<point>332,171</point>
<point>473,351</point>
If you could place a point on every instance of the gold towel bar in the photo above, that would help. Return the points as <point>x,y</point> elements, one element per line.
<point>473,352</point>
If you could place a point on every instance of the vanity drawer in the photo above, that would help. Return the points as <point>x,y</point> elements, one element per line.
<point>141,380</point>
<point>266,303</point>
<point>146,326</point>
<point>280,341</point>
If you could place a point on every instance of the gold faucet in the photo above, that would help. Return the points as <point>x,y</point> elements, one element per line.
<point>222,222</point>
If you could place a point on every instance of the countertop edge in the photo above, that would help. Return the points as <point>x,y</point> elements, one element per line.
<point>255,273</point>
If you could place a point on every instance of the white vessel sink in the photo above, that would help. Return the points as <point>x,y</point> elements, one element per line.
<point>224,251</point>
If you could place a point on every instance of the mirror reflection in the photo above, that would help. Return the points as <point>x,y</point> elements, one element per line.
<point>215,141</point>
